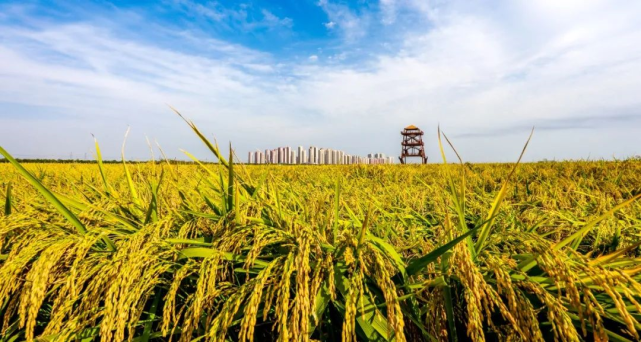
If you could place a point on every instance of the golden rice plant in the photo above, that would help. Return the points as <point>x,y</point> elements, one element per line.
<point>227,252</point>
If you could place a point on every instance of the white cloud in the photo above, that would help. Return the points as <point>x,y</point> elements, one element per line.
<point>388,11</point>
<point>352,25</point>
<point>486,75</point>
<point>271,20</point>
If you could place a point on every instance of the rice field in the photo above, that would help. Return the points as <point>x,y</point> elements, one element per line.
<point>545,251</point>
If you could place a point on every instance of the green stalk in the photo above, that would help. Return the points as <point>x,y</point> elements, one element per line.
<point>130,182</point>
<point>101,167</point>
<point>146,334</point>
<point>230,181</point>
<point>449,312</point>
<point>449,301</point>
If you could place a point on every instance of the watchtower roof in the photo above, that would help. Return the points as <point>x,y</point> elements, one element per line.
<point>411,127</point>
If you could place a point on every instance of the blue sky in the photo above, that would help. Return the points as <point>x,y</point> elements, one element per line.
<point>340,74</point>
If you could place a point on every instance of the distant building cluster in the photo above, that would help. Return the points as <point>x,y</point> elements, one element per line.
<point>314,155</point>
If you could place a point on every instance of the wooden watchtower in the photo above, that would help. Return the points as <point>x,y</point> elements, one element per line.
<point>412,145</point>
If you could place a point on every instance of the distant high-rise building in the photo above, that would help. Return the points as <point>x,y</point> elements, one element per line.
<point>312,155</point>
<point>300,155</point>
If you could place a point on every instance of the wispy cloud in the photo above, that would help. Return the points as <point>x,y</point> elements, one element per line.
<point>388,11</point>
<point>592,123</point>
<point>243,17</point>
<point>352,25</point>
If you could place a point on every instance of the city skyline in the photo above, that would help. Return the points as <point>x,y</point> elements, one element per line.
<point>314,156</point>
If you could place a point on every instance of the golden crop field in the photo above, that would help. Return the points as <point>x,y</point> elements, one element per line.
<point>456,252</point>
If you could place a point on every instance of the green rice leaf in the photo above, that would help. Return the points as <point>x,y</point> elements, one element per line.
<point>7,201</point>
<point>48,195</point>
<point>419,264</point>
